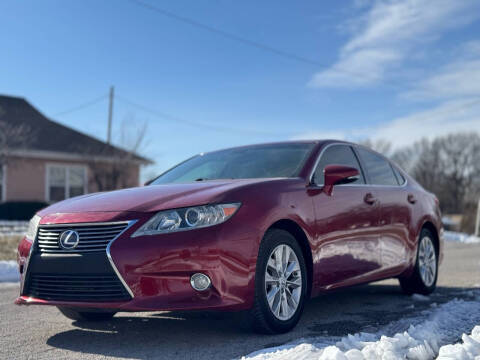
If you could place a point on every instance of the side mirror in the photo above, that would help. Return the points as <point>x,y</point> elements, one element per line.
<point>338,174</point>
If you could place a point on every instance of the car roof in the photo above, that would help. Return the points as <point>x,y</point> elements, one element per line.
<point>314,142</point>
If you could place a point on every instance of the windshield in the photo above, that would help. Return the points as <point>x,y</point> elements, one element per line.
<point>262,161</point>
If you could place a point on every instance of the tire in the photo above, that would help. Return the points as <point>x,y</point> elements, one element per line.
<point>418,283</point>
<point>262,316</point>
<point>86,315</point>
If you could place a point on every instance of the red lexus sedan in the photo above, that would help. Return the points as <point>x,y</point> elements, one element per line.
<point>258,228</point>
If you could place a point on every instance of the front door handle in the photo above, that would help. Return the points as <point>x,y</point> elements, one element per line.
<point>411,199</point>
<point>370,199</point>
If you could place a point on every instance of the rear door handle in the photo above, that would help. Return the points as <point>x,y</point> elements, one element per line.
<point>411,199</point>
<point>369,199</point>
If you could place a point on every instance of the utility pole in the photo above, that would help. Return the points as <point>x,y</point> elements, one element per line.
<point>110,115</point>
<point>477,223</point>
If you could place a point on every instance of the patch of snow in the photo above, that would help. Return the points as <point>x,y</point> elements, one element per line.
<point>469,349</point>
<point>446,220</point>
<point>13,227</point>
<point>453,236</point>
<point>8,285</point>
<point>421,337</point>
<point>9,271</point>
<point>418,297</point>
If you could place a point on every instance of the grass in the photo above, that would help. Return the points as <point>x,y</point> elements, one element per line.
<point>8,247</point>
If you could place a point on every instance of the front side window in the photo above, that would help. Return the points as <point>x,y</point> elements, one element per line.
<point>337,155</point>
<point>260,161</point>
<point>65,182</point>
<point>379,170</point>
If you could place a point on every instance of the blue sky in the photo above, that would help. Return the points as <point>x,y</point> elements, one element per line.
<point>392,70</point>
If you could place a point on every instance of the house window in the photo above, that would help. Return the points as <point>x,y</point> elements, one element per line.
<point>65,182</point>
<point>3,182</point>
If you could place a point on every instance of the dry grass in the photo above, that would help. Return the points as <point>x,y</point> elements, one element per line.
<point>8,246</point>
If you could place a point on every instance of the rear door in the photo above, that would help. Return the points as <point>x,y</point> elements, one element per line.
<point>395,208</point>
<point>347,244</point>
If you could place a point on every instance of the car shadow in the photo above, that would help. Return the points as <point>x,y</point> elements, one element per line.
<point>203,335</point>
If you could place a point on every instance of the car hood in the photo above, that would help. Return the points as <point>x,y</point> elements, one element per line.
<point>153,197</point>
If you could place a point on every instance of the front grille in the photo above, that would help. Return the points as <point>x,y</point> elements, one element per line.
<point>73,287</point>
<point>92,237</point>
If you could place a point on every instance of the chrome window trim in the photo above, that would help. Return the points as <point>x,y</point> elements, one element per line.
<point>310,178</point>
<point>391,166</point>
<point>312,172</point>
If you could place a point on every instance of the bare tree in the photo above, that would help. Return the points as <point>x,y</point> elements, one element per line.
<point>423,155</point>
<point>13,138</point>
<point>459,164</point>
<point>384,147</point>
<point>448,166</point>
<point>111,170</point>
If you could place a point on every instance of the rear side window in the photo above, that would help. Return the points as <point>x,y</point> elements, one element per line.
<point>379,170</point>
<point>401,180</point>
<point>337,155</point>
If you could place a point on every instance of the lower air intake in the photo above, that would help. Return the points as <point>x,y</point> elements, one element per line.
<point>81,288</point>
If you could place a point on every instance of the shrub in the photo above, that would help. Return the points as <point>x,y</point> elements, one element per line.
<point>20,210</point>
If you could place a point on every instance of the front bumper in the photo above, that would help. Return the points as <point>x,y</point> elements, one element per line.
<point>155,270</point>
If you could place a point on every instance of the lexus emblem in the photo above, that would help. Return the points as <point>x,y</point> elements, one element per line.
<point>69,239</point>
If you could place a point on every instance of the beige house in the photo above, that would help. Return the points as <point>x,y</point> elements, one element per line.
<point>42,160</point>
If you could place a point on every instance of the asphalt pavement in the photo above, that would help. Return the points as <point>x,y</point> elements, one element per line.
<point>41,332</point>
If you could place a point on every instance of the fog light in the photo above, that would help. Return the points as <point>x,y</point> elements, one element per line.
<point>200,282</point>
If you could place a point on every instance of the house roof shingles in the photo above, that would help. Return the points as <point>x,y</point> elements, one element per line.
<point>47,135</point>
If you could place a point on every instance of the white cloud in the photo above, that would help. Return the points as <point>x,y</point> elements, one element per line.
<point>362,67</point>
<point>460,78</point>
<point>314,135</point>
<point>388,33</point>
<point>385,38</point>
<point>451,117</point>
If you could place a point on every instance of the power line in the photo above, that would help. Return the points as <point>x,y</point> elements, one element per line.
<point>451,109</point>
<point>204,126</point>
<point>213,127</point>
<point>82,106</point>
<point>256,44</point>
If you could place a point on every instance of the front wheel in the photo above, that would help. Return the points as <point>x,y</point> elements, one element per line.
<point>280,283</point>
<point>423,280</point>
<point>86,315</point>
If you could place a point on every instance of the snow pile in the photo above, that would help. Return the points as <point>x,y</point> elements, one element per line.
<point>419,297</point>
<point>460,237</point>
<point>13,228</point>
<point>468,350</point>
<point>422,339</point>
<point>9,271</point>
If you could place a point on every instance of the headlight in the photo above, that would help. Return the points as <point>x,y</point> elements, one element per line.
<point>187,218</point>
<point>32,228</point>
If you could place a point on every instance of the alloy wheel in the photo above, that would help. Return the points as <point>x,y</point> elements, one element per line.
<point>427,261</point>
<point>283,282</point>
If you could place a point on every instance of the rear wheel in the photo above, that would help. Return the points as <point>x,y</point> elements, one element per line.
<point>423,280</point>
<point>86,315</point>
<point>280,284</point>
